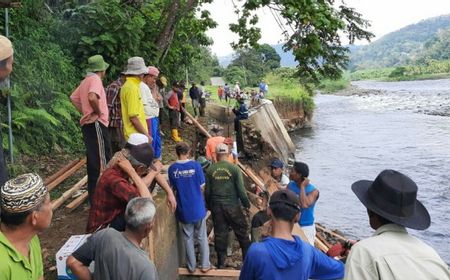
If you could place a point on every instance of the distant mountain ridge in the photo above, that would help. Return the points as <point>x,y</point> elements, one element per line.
<point>398,47</point>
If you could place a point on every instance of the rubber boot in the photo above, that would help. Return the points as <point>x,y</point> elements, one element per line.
<point>221,260</point>
<point>175,136</point>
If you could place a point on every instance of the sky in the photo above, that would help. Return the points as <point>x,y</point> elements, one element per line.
<point>385,16</point>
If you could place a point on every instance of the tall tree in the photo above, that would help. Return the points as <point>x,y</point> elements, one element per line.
<point>312,30</point>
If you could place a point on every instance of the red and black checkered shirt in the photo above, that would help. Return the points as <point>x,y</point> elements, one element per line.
<point>112,193</point>
<point>113,100</point>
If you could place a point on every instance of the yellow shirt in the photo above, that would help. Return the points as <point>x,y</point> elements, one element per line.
<point>132,106</point>
<point>15,266</point>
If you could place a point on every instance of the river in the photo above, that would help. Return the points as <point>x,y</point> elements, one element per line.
<point>356,137</point>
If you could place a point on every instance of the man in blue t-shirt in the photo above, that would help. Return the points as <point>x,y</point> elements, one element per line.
<point>284,256</point>
<point>308,195</point>
<point>187,179</point>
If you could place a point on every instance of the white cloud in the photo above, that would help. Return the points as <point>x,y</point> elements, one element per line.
<point>385,15</point>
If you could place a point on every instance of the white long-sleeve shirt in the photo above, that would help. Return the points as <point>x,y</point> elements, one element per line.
<point>392,254</point>
<point>151,107</point>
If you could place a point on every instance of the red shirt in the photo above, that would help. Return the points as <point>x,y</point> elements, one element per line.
<point>173,100</point>
<point>112,193</point>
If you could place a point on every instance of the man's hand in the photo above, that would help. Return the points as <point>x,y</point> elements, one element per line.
<point>304,183</point>
<point>172,202</point>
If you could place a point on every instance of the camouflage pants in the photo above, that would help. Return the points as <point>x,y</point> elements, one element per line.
<point>225,217</point>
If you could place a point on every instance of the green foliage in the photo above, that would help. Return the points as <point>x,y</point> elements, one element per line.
<point>314,35</point>
<point>397,72</point>
<point>254,63</point>
<point>52,46</point>
<point>420,41</point>
<point>283,84</point>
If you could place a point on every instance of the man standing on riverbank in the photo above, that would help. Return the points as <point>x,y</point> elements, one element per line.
<point>90,100</point>
<point>6,67</point>
<point>308,196</point>
<point>276,171</point>
<point>283,256</point>
<point>224,190</point>
<point>133,114</point>
<point>187,179</point>
<point>115,114</point>
<point>391,253</point>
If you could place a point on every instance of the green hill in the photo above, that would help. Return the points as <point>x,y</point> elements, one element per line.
<point>400,47</point>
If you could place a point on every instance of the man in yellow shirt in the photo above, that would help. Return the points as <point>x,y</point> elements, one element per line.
<point>133,113</point>
<point>25,211</point>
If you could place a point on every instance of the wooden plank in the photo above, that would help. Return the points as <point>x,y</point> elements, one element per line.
<point>66,175</point>
<point>49,179</point>
<point>67,194</point>
<point>77,202</point>
<point>212,272</point>
<point>247,170</point>
<point>330,232</point>
<point>319,245</point>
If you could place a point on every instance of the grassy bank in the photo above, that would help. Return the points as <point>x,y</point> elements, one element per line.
<point>431,69</point>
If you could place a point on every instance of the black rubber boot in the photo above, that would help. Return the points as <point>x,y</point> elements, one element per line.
<point>221,260</point>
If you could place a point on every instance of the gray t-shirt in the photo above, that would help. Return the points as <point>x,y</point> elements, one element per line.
<point>116,258</point>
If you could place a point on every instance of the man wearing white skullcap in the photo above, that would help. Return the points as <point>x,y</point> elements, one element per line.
<point>25,211</point>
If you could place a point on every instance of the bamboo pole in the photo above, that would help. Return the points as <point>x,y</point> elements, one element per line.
<point>66,174</point>
<point>64,169</point>
<point>320,245</point>
<point>77,202</point>
<point>199,126</point>
<point>58,202</point>
<point>210,273</point>
<point>330,232</point>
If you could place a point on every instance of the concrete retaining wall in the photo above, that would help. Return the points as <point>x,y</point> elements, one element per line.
<point>267,121</point>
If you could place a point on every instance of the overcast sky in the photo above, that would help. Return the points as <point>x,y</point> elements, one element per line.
<point>385,15</point>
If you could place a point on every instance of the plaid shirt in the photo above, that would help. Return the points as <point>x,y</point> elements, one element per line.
<point>110,199</point>
<point>113,100</point>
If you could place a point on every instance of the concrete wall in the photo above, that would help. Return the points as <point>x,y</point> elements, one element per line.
<point>162,244</point>
<point>267,121</point>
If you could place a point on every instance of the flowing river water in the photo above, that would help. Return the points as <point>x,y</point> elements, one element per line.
<point>401,126</point>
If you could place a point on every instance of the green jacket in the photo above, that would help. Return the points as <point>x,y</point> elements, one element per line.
<point>224,185</point>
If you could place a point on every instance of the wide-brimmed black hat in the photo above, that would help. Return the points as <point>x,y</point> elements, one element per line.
<point>393,196</point>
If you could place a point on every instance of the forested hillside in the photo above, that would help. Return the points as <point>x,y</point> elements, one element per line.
<point>401,47</point>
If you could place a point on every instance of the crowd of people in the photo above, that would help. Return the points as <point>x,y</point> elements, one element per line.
<point>122,211</point>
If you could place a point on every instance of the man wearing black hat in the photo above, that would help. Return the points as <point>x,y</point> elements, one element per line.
<point>286,256</point>
<point>114,189</point>
<point>391,253</point>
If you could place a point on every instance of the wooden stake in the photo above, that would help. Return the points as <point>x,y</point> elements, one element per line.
<point>58,202</point>
<point>77,202</point>
<point>49,179</point>
<point>197,124</point>
<point>319,245</point>
<point>66,174</point>
<point>212,272</point>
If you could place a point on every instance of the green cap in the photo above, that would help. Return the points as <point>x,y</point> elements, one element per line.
<point>96,64</point>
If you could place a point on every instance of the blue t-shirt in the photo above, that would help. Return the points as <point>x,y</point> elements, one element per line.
<point>307,214</point>
<point>280,259</point>
<point>187,179</point>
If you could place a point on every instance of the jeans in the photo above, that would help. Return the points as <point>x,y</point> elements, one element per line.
<point>193,231</point>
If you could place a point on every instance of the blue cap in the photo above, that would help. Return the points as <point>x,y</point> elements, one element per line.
<point>277,163</point>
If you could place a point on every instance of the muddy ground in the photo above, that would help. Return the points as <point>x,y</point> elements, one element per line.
<point>65,223</point>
